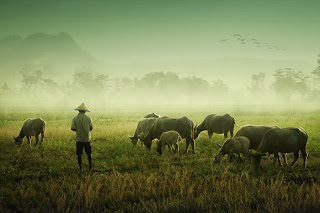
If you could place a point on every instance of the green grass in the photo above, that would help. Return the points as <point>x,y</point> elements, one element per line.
<point>132,179</point>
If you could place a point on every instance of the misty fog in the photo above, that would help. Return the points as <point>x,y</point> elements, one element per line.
<point>124,56</point>
<point>284,88</point>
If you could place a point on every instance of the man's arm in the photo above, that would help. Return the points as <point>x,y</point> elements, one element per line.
<point>90,124</point>
<point>73,125</point>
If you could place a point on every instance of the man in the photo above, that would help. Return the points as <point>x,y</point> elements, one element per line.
<point>82,125</point>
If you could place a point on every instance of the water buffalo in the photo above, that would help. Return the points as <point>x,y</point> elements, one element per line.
<point>152,115</point>
<point>253,133</point>
<point>142,129</point>
<point>183,126</point>
<point>31,127</point>
<point>285,140</point>
<point>216,124</point>
<point>170,139</point>
<point>234,146</point>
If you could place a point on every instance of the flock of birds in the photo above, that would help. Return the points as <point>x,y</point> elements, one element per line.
<point>247,41</point>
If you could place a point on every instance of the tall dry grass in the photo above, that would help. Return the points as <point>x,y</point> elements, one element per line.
<point>132,179</point>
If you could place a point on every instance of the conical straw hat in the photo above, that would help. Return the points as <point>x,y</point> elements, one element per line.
<point>82,107</point>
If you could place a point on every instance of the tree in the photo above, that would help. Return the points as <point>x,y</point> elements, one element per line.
<point>301,83</point>
<point>219,87</point>
<point>90,85</point>
<point>151,80</point>
<point>5,87</point>
<point>257,83</point>
<point>316,76</point>
<point>170,84</point>
<point>288,82</point>
<point>35,85</point>
<point>195,86</point>
<point>31,80</point>
<point>4,90</point>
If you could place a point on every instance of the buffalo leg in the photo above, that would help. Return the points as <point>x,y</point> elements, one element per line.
<point>276,158</point>
<point>176,148</point>
<point>304,156</point>
<point>231,156</point>
<point>42,137</point>
<point>231,131</point>
<point>225,135</point>
<point>296,157</point>
<point>170,148</point>
<point>210,133</point>
<point>29,141</point>
<point>187,145</point>
<point>37,140</point>
<point>190,140</point>
<point>163,148</point>
<point>192,145</point>
<point>246,156</point>
<point>284,158</point>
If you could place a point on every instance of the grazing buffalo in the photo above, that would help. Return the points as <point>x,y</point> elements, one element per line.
<point>253,133</point>
<point>183,126</point>
<point>285,140</point>
<point>152,115</point>
<point>170,139</point>
<point>142,129</point>
<point>31,127</point>
<point>234,146</point>
<point>216,124</point>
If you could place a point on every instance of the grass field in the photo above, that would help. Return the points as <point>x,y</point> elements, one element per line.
<point>132,179</point>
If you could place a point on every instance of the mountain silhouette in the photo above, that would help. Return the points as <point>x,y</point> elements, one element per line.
<point>55,54</point>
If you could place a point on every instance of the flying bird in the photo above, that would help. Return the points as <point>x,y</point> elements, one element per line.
<point>242,40</point>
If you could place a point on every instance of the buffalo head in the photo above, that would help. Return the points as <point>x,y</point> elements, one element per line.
<point>134,140</point>
<point>196,132</point>
<point>159,147</point>
<point>17,140</point>
<point>256,158</point>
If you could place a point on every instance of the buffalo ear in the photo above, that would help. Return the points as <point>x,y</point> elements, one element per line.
<point>131,137</point>
<point>219,145</point>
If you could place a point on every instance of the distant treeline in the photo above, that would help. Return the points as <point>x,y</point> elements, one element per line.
<point>286,85</point>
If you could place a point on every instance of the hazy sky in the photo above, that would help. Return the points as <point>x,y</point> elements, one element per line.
<point>146,30</point>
